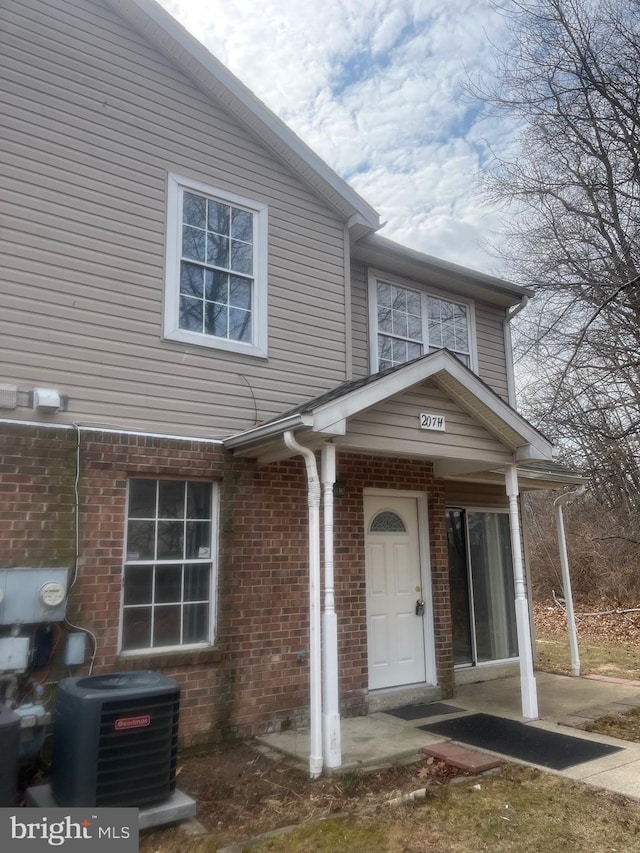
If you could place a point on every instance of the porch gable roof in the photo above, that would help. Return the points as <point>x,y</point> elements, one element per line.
<point>326,416</point>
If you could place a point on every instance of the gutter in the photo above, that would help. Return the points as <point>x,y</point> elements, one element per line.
<point>315,645</point>
<point>559,502</point>
<point>273,429</point>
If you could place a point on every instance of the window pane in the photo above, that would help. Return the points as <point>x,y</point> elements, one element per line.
<point>196,581</point>
<point>193,243</point>
<point>399,323</point>
<point>414,303</point>
<point>216,319</point>
<point>384,352</point>
<point>141,540</point>
<point>170,540</point>
<point>239,325</point>
<point>240,292</point>
<point>191,279</point>
<point>218,217</point>
<point>166,627</point>
<point>399,299</point>
<point>435,334</point>
<point>142,499</point>
<point>218,250</point>
<point>387,522</point>
<point>194,210</point>
<point>171,499</point>
<point>168,584</point>
<point>414,328</point>
<point>459,588</point>
<point>448,337</point>
<point>136,628</point>
<point>199,500</point>
<point>196,623</point>
<point>413,351</point>
<point>191,314</point>
<point>384,294</point>
<point>493,589</point>
<point>384,319</point>
<point>217,285</point>
<point>399,349</point>
<point>241,257</point>
<point>242,225</point>
<point>198,537</point>
<point>138,585</point>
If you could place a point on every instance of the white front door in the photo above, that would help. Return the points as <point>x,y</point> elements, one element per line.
<point>395,631</point>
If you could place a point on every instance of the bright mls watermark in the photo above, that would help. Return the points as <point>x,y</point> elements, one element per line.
<point>34,830</point>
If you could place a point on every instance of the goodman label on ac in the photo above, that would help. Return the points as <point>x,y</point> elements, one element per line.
<point>33,830</point>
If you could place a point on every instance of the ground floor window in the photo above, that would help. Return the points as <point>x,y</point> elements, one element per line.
<point>482,589</point>
<point>169,583</point>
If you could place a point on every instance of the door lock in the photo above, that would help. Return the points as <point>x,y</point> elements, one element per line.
<point>419,607</point>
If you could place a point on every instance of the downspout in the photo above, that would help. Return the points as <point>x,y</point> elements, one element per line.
<point>528,686</point>
<point>559,502</point>
<point>330,688</point>
<point>511,379</point>
<point>315,646</point>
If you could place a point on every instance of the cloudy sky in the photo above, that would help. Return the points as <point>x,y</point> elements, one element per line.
<point>374,87</point>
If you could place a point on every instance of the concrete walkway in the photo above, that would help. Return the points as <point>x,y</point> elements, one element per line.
<point>382,738</point>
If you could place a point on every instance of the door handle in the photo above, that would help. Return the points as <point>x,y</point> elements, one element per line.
<point>419,607</point>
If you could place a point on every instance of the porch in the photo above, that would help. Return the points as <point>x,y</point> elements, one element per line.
<point>564,704</point>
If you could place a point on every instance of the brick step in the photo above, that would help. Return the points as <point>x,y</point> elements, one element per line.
<point>463,757</point>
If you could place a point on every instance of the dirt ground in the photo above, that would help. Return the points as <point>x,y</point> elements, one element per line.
<point>241,793</point>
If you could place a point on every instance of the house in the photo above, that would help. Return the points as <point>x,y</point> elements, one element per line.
<point>276,454</point>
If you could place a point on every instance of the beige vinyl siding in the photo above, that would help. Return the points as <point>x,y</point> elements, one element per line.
<point>489,330</point>
<point>394,425</point>
<point>492,363</point>
<point>93,121</point>
<point>360,319</point>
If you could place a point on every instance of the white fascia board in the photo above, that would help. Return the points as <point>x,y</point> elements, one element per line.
<point>193,58</point>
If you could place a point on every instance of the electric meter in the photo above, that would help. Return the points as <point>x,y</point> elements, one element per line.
<point>52,594</point>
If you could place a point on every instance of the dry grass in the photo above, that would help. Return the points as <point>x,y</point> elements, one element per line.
<point>517,809</point>
<point>608,645</point>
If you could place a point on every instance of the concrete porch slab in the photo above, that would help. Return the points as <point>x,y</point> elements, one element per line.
<point>366,742</point>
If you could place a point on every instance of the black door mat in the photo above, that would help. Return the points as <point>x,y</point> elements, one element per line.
<point>528,743</point>
<point>418,712</point>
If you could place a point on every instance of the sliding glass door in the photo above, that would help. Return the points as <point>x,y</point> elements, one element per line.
<point>482,592</point>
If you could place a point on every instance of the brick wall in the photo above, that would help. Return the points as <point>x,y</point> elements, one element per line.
<point>256,677</point>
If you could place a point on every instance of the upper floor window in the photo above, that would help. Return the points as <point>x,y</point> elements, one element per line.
<point>169,571</point>
<point>216,269</point>
<point>408,323</point>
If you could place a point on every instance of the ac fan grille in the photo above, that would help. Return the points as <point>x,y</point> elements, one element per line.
<point>137,766</point>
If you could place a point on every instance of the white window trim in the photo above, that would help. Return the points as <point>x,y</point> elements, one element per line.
<point>424,292</point>
<point>213,581</point>
<point>172,331</point>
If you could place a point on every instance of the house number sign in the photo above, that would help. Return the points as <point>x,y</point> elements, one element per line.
<point>430,421</point>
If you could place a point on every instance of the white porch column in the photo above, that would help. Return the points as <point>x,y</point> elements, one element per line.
<point>331,709</point>
<point>315,645</point>
<point>527,678</point>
